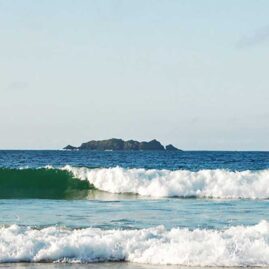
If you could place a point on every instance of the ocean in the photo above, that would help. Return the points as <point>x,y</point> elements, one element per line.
<point>136,210</point>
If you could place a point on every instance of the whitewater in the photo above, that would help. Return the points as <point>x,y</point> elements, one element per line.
<point>217,183</point>
<point>236,246</point>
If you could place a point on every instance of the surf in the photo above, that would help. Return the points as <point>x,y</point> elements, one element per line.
<point>216,183</point>
<point>70,182</point>
<point>234,246</point>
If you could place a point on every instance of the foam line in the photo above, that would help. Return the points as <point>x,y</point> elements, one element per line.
<point>236,246</point>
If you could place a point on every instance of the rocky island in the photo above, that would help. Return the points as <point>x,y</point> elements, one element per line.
<point>119,144</point>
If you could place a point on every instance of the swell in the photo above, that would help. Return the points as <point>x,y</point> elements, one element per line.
<point>235,246</point>
<point>43,183</point>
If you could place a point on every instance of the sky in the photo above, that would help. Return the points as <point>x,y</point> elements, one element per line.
<point>187,72</point>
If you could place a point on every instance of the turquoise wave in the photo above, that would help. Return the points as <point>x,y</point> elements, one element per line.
<point>42,183</point>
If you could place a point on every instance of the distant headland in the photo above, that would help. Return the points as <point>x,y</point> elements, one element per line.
<point>119,144</point>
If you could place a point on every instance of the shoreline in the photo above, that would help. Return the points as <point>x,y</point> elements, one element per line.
<point>112,265</point>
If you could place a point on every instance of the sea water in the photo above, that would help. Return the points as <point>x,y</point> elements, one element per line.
<point>91,209</point>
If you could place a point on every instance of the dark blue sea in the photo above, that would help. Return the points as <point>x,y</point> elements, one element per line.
<point>140,209</point>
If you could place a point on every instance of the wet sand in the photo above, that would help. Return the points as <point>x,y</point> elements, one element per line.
<point>109,265</point>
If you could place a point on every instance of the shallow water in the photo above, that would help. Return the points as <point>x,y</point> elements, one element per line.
<point>123,213</point>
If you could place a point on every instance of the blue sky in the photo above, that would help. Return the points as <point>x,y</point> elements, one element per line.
<point>191,73</point>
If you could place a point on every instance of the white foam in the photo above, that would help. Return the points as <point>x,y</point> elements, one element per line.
<point>182,183</point>
<point>236,246</point>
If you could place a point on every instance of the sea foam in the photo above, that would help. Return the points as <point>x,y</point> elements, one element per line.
<point>180,183</point>
<point>235,246</point>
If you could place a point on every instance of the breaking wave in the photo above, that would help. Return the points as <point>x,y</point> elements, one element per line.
<point>235,246</point>
<point>218,183</point>
<point>72,182</point>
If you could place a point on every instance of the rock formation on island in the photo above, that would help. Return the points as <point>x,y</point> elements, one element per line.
<point>119,144</point>
<point>170,147</point>
<point>69,147</point>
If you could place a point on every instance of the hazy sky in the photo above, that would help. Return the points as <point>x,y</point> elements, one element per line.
<point>192,73</point>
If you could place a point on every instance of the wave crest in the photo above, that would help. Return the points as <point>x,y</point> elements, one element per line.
<point>181,183</point>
